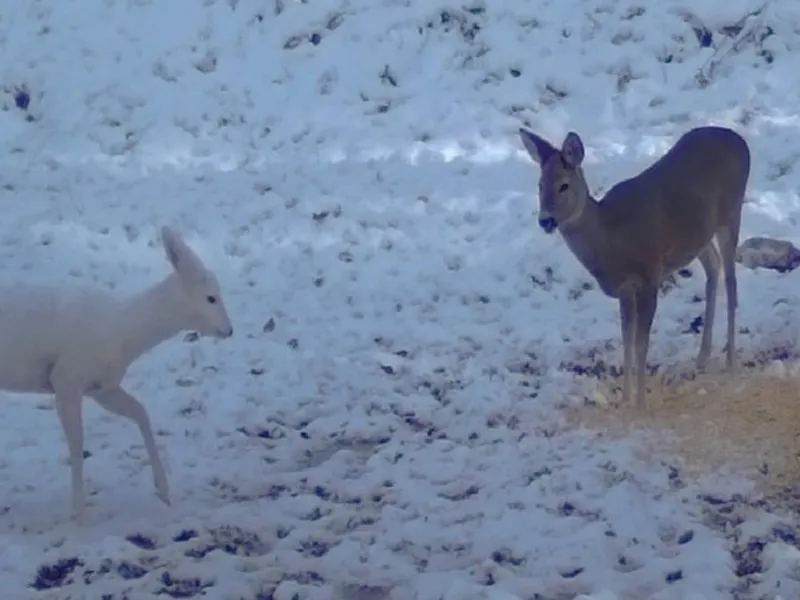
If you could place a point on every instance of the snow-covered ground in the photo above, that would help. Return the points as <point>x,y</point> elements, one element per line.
<point>387,421</point>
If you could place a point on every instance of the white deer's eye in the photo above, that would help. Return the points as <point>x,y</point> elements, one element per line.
<point>211,299</point>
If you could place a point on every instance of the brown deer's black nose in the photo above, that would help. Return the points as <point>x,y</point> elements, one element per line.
<point>548,224</point>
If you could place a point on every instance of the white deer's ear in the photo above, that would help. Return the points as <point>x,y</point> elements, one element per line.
<point>572,149</point>
<point>182,258</point>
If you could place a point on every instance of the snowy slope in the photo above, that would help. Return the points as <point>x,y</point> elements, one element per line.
<point>385,424</point>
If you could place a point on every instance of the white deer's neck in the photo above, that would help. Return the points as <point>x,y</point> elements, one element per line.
<point>151,317</point>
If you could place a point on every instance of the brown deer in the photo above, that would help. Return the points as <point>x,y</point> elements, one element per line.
<point>686,205</point>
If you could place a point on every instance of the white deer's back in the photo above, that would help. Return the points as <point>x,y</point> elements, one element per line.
<point>40,324</point>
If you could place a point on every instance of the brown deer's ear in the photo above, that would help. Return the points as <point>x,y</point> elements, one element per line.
<point>539,149</point>
<point>572,149</point>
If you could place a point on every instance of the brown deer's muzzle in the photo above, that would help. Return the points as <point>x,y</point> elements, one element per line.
<point>548,224</point>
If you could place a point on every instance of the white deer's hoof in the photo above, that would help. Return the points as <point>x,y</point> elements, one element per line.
<point>164,497</point>
<point>161,485</point>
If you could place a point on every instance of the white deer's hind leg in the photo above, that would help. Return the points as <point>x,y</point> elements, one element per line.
<point>121,403</point>
<point>69,409</point>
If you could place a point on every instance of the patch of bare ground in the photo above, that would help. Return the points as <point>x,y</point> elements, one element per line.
<point>748,422</point>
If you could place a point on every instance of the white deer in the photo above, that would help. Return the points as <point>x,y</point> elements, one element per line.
<point>80,342</point>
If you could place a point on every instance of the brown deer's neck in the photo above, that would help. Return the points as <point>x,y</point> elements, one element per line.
<point>588,240</point>
<point>583,232</point>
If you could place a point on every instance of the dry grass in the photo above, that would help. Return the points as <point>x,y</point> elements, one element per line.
<point>749,422</point>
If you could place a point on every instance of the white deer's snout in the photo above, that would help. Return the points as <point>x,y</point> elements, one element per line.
<point>221,327</point>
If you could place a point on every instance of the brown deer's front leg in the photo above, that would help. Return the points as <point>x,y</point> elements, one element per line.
<point>646,303</point>
<point>627,313</point>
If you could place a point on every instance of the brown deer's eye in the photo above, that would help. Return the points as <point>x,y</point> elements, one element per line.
<point>563,187</point>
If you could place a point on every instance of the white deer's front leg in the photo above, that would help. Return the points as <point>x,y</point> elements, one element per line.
<point>69,408</point>
<point>121,403</point>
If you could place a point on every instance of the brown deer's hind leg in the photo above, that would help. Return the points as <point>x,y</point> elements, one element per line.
<point>728,241</point>
<point>710,259</point>
<point>646,303</point>
<point>627,313</point>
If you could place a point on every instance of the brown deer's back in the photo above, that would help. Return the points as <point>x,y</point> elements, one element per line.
<point>686,195</point>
